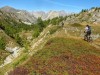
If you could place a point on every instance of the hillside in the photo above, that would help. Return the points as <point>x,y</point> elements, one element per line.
<point>62,56</point>
<point>91,16</point>
<point>47,48</point>
<point>65,53</point>
<point>7,46</point>
<point>18,36</point>
<point>18,14</point>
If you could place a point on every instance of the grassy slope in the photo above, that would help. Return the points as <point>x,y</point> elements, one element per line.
<point>3,53</point>
<point>67,52</point>
<point>62,56</point>
<point>9,42</point>
<point>34,46</point>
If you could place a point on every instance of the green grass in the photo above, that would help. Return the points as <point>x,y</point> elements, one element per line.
<point>20,60</point>
<point>75,46</point>
<point>3,55</point>
<point>63,56</point>
<point>95,29</point>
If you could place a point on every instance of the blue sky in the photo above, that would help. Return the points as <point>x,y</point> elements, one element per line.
<point>46,5</point>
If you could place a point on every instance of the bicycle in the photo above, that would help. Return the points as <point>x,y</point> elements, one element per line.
<point>88,38</point>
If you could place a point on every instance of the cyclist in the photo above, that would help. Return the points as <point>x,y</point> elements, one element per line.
<point>87,33</point>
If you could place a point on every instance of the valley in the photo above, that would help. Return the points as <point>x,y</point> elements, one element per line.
<point>44,47</point>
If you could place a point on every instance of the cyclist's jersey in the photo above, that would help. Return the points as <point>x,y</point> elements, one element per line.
<point>86,29</point>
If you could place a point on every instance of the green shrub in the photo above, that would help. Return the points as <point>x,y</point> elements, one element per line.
<point>76,25</point>
<point>56,20</point>
<point>2,43</point>
<point>37,30</point>
<point>19,40</point>
<point>36,34</point>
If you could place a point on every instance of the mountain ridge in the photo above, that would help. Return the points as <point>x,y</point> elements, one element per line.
<point>31,17</point>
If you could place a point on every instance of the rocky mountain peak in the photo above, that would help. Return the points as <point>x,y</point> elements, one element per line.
<point>9,9</point>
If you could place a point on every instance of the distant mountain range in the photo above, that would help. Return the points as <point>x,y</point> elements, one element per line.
<point>31,17</point>
<point>91,16</point>
<point>49,15</point>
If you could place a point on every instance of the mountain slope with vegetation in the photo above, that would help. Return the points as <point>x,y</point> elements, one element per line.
<point>16,34</point>
<point>18,14</point>
<point>48,48</point>
<point>62,56</point>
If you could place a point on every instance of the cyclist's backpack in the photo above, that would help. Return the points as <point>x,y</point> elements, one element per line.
<point>89,28</point>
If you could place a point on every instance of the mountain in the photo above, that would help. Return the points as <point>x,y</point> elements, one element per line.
<point>52,14</point>
<point>88,16</point>
<point>31,17</point>
<point>9,9</point>
<point>85,16</point>
<point>94,13</point>
<point>22,15</point>
<point>38,14</point>
<point>49,15</point>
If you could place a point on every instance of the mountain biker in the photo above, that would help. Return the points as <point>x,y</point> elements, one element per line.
<point>62,24</point>
<point>87,33</point>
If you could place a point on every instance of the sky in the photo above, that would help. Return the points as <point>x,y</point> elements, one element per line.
<point>46,5</point>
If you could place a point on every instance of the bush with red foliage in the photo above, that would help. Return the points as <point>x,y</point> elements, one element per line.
<point>19,71</point>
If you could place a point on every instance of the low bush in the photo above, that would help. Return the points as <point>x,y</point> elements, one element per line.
<point>76,25</point>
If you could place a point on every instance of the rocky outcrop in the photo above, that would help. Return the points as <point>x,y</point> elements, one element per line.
<point>15,53</point>
<point>89,16</point>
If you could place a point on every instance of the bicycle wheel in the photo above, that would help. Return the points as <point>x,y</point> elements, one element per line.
<point>85,37</point>
<point>90,39</point>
